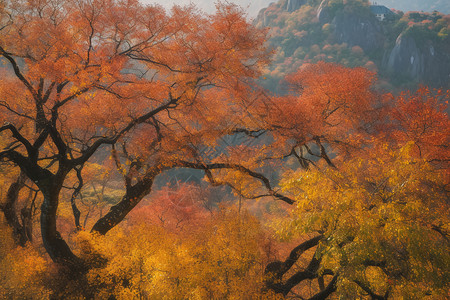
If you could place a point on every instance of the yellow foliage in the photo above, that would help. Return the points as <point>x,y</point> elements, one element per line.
<point>220,260</point>
<point>381,216</point>
<point>23,271</point>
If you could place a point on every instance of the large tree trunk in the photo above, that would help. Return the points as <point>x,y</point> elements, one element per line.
<point>55,245</point>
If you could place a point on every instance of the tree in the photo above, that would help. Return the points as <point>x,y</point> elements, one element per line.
<point>84,75</point>
<point>222,258</point>
<point>382,231</point>
<point>421,118</point>
<point>163,92</point>
<point>18,193</point>
<point>377,216</point>
<point>94,86</point>
<point>329,106</point>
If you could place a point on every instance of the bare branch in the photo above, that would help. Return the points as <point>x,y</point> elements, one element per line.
<point>331,287</point>
<point>367,289</point>
<point>19,74</point>
<point>16,134</point>
<point>6,105</point>
<point>76,192</point>
<point>298,251</point>
<point>240,168</point>
<point>112,140</point>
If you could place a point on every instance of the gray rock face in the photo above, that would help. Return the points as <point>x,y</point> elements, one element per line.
<point>406,58</point>
<point>261,19</point>
<point>423,63</point>
<point>292,5</point>
<point>360,31</point>
<point>323,12</point>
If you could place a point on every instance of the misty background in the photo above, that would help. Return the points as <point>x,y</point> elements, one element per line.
<point>253,6</point>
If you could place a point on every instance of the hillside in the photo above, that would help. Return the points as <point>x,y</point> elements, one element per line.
<point>253,6</point>
<point>442,6</point>
<point>405,49</point>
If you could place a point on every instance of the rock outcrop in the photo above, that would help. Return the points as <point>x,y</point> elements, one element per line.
<point>261,19</point>
<point>293,5</point>
<point>423,63</point>
<point>323,12</point>
<point>414,57</point>
<point>357,30</point>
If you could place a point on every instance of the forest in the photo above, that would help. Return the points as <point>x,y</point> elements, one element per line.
<point>348,33</point>
<point>141,157</point>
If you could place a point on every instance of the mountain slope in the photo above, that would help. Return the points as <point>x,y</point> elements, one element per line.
<point>442,6</point>
<point>404,48</point>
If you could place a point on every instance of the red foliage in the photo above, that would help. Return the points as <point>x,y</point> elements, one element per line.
<point>174,207</point>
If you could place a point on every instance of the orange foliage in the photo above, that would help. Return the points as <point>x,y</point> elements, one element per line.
<point>160,91</point>
<point>85,74</point>
<point>422,118</point>
<point>174,208</point>
<point>327,102</point>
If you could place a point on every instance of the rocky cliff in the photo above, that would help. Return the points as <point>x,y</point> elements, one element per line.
<point>418,5</point>
<point>356,30</point>
<point>324,12</point>
<point>293,5</point>
<point>405,49</point>
<point>423,63</point>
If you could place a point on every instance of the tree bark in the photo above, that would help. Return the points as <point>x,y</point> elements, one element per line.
<point>325,293</point>
<point>275,271</point>
<point>118,212</point>
<point>20,231</point>
<point>55,245</point>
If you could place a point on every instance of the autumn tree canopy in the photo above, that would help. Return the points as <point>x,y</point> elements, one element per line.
<point>84,74</point>
<point>98,98</point>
